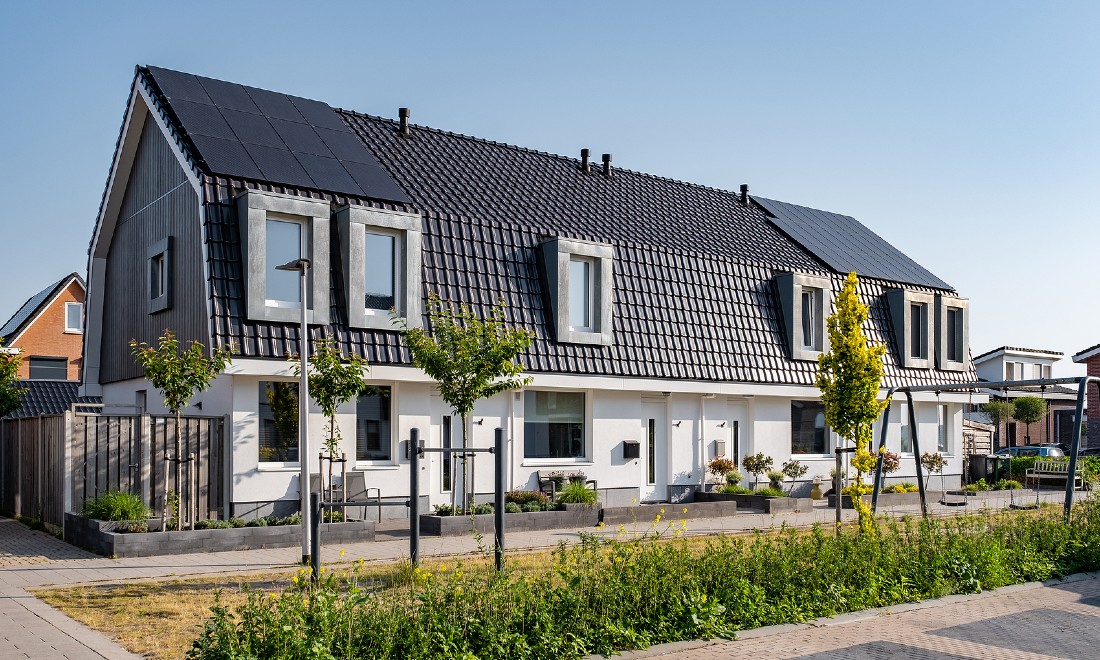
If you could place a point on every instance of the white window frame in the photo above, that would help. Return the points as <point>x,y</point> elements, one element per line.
<point>943,428</point>
<point>903,424</point>
<point>556,253</point>
<point>589,292</point>
<point>585,458</point>
<point>158,301</point>
<point>261,464</point>
<point>901,303</point>
<point>253,208</point>
<point>79,329</point>
<point>394,439</point>
<point>962,333</point>
<point>791,289</point>
<point>353,222</point>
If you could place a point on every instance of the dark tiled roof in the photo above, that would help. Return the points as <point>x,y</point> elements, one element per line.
<point>1080,355</point>
<point>846,245</point>
<point>49,397</point>
<point>33,304</point>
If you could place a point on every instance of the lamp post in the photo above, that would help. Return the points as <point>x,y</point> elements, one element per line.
<point>302,266</point>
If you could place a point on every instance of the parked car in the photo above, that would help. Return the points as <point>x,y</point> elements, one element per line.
<point>1043,451</point>
<point>1089,451</point>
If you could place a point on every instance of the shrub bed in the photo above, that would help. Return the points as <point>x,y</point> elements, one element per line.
<point>603,596</point>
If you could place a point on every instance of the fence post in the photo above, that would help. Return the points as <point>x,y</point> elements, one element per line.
<point>498,504</point>
<point>225,436</point>
<point>67,465</point>
<point>144,442</point>
<point>414,497</point>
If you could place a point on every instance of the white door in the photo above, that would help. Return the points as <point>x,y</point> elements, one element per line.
<point>654,451</point>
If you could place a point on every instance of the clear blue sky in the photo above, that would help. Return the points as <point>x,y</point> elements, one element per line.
<point>964,133</point>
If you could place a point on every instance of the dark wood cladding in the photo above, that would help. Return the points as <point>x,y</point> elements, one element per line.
<point>159,202</point>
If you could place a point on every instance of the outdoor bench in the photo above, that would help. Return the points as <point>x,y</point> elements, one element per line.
<point>1051,470</point>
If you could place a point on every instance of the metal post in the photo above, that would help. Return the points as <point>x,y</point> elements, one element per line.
<point>837,485</point>
<point>414,497</point>
<point>314,536</point>
<point>916,454</point>
<point>498,503</point>
<point>881,447</point>
<point>1075,445</point>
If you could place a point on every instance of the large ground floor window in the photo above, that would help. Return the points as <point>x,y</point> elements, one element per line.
<point>808,431</point>
<point>278,422</point>
<point>553,424</point>
<point>372,425</point>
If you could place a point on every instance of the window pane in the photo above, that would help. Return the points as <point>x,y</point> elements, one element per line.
<point>49,368</point>
<point>906,440</point>
<point>809,319</point>
<point>278,422</point>
<point>942,439</point>
<point>954,341</point>
<point>379,257</point>
<point>446,455</point>
<point>580,294</point>
<point>73,317</point>
<point>553,424</point>
<point>284,244</point>
<point>916,334</point>
<point>372,425</point>
<point>808,430</point>
<point>651,452</point>
<point>156,277</point>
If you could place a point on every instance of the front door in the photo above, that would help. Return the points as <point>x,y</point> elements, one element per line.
<point>654,451</point>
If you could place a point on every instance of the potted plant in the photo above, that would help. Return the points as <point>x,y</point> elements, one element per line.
<point>578,478</point>
<point>775,479</point>
<point>558,478</point>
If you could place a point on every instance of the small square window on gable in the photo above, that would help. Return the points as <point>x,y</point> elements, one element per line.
<point>159,282</point>
<point>381,263</point>
<point>952,333</point>
<point>275,230</point>
<point>579,279</point>
<point>913,314</point>
<point>807,301</point>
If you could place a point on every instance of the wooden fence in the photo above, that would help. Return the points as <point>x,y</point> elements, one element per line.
<point>50,465</point>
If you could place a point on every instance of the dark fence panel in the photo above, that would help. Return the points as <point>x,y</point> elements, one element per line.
<point>32,468</point>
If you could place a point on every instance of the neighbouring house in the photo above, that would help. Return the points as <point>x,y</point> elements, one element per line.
<point>674,322</point>
<point>1009,363</point>
<point>48,330</point>
<point>1090,357</point>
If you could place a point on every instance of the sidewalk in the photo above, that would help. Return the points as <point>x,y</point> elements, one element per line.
<point>33,559</point>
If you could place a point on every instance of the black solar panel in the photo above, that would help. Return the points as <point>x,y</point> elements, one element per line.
<point>845,245</point>
<point>258,134</point>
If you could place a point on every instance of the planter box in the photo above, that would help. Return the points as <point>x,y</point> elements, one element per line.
<point>573,516</point>
<point>99,537</point>
<point>766,503</point>
<point>888,499</point>
<point>647,513</point>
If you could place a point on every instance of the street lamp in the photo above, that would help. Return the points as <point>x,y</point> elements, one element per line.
<point>302,266</point>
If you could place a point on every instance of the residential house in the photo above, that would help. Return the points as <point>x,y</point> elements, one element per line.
<point>48,330</point>
<point>1090,357</point>
<point>673,322</point>
<point>1012,363</point>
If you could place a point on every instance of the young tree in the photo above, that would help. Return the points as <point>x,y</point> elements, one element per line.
<point>11,395</point>
<point>849,377</point>
<point>333,380</point>
<point>179,376</point>
<point>1029,409</point>
<point>469,358</point>
<point>999,412</point>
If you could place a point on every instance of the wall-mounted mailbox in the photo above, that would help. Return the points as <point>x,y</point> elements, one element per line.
<point>719,448</point>
<point>631,449</point>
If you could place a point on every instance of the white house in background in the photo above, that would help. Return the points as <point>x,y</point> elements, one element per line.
<point>1014,363</point>
<point>674,322</point>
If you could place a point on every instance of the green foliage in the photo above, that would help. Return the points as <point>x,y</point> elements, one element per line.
<point>999,411</point>
<point>1006,484</point>
<point>770,492</point>
<point>901,488</point>
<point>1029,409</point>
<point>333,380</point>
<point>11,396</point>
<point>734,489</point>
<point>576,492</point>
<point>891,462</point>
<point>179,375</point>
<point>602,596</point>
<point>115,505</point>
<point>849,377</point>
<point>213,524</point>
<point>512,507</point>
<point>522,497</point>
<point>793,469</point>
<point>933,462</point>
<point>483,509</point>
<point>757,464</point>
<point>720,466</point>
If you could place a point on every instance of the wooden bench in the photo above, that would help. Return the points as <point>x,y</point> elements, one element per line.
<point>1051,470</point>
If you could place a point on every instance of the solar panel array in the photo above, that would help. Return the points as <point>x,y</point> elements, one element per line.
<point>256,134</point>
<point>845,245</point>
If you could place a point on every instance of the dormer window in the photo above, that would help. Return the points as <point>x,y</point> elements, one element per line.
<point>952,333</point>
<point>279,229</point>
<point>806,302</point>
<point>913,326</point>
<point>381,258</point>
<point>578,278</point>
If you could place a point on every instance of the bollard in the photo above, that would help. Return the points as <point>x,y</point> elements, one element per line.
<point>315,536</point>
<point>498,504</point>
<point>414,497</point>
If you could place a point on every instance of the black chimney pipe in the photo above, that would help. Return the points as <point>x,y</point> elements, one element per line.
<point>403,113</point>
<point>607,166</point>
<point>586,167</point>
<point>745,194</point>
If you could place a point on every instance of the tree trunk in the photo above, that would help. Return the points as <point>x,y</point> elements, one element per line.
<point>465,486</point>
<point>179,473</point>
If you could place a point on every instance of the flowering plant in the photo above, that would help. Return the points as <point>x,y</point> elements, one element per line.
<point>720,466</point>
<point>891,462</point>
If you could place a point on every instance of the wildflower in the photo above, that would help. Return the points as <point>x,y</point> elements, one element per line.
<point>295,579</point>
<point>341,553</point>
<point>685,509</point>
<point>683,522</point>
<point>658,519</point>
<point>634,500</point>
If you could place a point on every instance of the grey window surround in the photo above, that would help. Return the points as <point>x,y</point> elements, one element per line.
<point>352,221</point>
<point>162,248</point>
<point>901,302</point>
<point>556,254</point>
<point>253,207</point>
<point>943,303</point>
<point>790,296</point>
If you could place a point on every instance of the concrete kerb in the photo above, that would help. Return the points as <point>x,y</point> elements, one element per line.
<point>843,619</point>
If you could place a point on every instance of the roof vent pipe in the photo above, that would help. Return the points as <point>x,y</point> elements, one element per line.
<point>403,113</point>
<point>586,166</point>
<point>745,194</point>
<point>607,166</point>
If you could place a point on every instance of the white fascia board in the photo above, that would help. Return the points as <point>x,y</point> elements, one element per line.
<point>254,367</point>
<point>1085,355</point>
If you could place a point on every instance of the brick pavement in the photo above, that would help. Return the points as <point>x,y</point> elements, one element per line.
<point>34,559</point>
